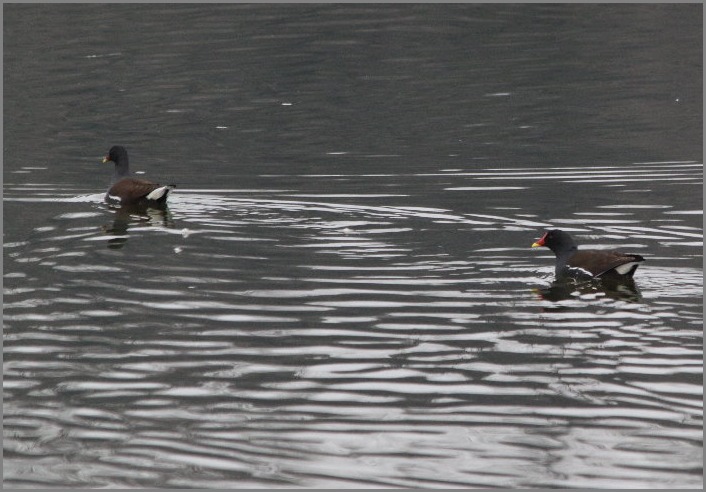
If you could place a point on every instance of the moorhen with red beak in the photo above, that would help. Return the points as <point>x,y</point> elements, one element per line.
<point>589,263</point>
<point>130,191</point>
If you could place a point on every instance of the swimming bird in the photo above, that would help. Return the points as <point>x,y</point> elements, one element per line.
<point>588,263</point>
<point>127,190</point>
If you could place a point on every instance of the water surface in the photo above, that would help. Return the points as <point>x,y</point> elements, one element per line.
<point>342,292</point>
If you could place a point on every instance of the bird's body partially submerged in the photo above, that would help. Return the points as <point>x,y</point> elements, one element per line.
<point>572,262</point>
<point>128,190</point>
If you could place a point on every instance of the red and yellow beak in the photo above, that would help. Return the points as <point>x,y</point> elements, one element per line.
<point>539,242</point>
<point>106,159</point>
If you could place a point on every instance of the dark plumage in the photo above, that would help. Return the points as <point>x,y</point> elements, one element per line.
<point>570,261</point>
<point>127,190</point>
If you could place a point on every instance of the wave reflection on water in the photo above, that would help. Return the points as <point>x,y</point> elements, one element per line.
<point>339,339</point>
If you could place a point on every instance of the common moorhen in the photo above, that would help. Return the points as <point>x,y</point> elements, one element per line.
<point>127,190</point>
<point>588,263</point>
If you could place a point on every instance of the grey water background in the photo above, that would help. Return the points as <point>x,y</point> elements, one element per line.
<point>342,291</point>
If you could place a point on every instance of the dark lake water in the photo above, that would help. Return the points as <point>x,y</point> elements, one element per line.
<point>342,291</point>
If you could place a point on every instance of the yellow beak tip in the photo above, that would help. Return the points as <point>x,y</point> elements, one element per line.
<point>536,245</point>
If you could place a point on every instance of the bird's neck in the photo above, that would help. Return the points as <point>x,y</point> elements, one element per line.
<point>566,253</point>
<point>121,171</point>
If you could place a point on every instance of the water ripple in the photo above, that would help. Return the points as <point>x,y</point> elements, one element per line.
<point>314,333</point>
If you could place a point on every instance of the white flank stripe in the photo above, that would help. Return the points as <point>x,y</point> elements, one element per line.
<point>580,270</point>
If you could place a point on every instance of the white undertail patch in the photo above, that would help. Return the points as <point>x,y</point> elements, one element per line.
<point>158,193</point>
<point>623,269</point>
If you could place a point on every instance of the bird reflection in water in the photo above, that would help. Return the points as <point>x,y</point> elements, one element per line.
<point>134,215</point>
<point>613,287</point>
